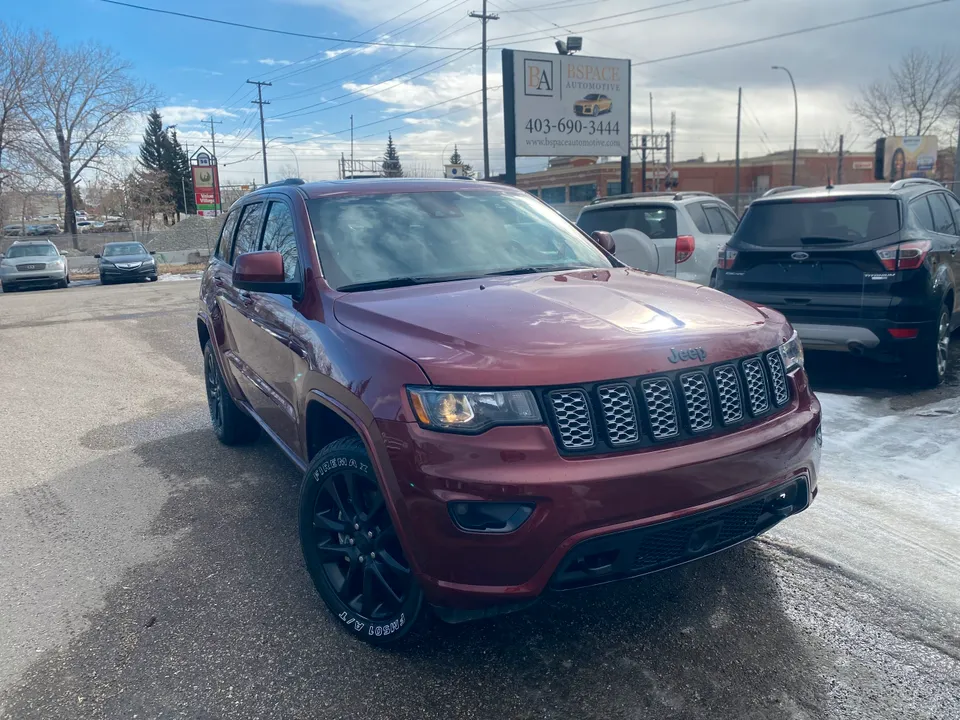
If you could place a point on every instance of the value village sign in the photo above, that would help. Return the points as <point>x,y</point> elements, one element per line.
<point>565,105</point>
<point>206,183</point>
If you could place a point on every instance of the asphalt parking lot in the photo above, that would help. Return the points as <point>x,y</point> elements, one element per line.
<point>150,572</point>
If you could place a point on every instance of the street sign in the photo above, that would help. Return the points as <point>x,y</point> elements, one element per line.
<point>569,105</point>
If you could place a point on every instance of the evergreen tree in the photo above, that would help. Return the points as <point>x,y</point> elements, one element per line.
<point>455,159</point>
<point>391,160</point>
<point>180,177</point>
<point>153,147</point>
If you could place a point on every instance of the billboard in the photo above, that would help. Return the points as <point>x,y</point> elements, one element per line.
<point>206,189</point>
<point>900,157</point>
<point>570,105</point>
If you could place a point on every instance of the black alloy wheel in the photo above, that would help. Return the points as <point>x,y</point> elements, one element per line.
<point>351,548</point>
<point>230,423</point>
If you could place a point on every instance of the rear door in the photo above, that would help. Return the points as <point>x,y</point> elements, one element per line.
<point>815,259</point>
<point>945,226</point>
<point>713,232</point>
<point>658,222</point>
<point>954,206</point>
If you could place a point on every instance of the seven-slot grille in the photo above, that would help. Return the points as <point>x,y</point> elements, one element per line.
<point>649,410</point>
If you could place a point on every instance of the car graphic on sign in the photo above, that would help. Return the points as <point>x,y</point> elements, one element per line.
<point>593,104</point>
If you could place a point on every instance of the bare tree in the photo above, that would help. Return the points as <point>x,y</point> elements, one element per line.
<point>79,110</point>
<point>148,194</point>
<point>18,67</point>
<point>920,96</point>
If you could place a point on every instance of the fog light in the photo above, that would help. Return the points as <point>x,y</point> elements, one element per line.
<point>490,517</point>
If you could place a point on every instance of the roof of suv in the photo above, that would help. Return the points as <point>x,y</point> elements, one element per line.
<point>671,196</point>
<point>369,186</point>
<point>908,187</point>
<point>31,242</point>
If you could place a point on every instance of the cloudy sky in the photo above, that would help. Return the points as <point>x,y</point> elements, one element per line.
<point>422,84</point>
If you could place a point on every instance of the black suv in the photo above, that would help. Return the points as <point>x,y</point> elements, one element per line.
<point>871,269</point>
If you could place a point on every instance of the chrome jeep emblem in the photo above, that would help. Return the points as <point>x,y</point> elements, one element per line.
<point>685,355</point>
<point>800,255</point>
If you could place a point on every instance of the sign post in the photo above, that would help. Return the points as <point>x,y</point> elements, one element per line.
<point>206,183</point>
<point>565,105</point>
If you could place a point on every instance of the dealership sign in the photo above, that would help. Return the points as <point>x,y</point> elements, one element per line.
<point>570,105</point>
<point>206,183</point>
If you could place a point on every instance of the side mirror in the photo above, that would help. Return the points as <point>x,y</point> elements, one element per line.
<point>262,271</point>
<point>97,256</point>
<point>605,240</point>
<point>153,252</point>
<point>62,252</point>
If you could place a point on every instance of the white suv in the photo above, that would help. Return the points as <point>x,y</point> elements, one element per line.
<point>668,233</point>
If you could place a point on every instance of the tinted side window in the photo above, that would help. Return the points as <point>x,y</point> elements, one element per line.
<point>655,221</point>
<point>730,219</point>
<point>715,219</point>
<point>698,217</point>
<point>954,210</point>
<point>921,209</point>
<point>246,240</point>
<point>942,217</point>
<point>278,234</point>
<point>226,235</point>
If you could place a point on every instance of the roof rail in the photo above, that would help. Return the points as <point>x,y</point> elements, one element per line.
<point>783,189</point>
<point>900,184</point>
<point>627,196</point>
<point>280,183</point>
<point>692,193</point>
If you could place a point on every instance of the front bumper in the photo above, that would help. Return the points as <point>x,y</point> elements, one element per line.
<point>138,273</point>
<point>579,499</point>
<point>26,278</point>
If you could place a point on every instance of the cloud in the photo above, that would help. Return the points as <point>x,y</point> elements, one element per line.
<point>200,71</point>
<point>176,114</point>
<point>361,50</point>
<point>272,62</point>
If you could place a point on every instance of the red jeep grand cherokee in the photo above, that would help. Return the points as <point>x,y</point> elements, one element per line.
<point>486,404</point>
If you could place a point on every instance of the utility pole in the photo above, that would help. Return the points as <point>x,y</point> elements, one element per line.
<point>484,17</point>
<point>643,164</point>
<point>956,165</point>
<point>736,176</point>
<point>653,155</point>
<point>213,142</point>
<point>840,163</point>
<point>263,135</point>
<point>351,147</point>
<point>796,122</point>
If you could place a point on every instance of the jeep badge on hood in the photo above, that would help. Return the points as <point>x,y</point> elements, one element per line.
<point>685,355</point>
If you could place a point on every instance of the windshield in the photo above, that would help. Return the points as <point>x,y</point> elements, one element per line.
<point>654,221</point>
<point>841,220</point>
<point>591,97</point>
<point>435,236</point>
<point>124,249</point>
<point>22,251</point>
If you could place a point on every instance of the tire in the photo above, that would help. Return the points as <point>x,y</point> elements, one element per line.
<point>351,549</point>
<point>927,366</point>
<point>152,278</point>
<point>62,285</point>
<point>104,281</point>
<point>596,110</point>
<point>231,425</point>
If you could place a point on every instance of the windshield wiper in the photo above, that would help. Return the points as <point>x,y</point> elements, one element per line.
<point>402,282</point>
<point>822,240</point>
<point>532,270</point>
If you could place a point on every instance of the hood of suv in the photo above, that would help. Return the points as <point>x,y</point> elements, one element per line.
<point>555,329</point>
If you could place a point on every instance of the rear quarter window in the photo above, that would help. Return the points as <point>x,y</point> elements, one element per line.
<point>798,223</point>
<point>655,221</point>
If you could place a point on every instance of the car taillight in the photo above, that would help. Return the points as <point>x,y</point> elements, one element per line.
<point>726,257</point>
<point>684,248</point>
<point>905,256</point>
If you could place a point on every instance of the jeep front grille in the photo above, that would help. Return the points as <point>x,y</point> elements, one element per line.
<point>644,411</point>
<point>573,419</point>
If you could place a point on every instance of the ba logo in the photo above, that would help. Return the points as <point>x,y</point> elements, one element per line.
<point>538,78</point>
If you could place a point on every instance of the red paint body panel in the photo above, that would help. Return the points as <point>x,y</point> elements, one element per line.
<point>355,352</point>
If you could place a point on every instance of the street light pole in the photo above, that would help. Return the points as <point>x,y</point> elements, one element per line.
<point>295,158</point>
<point>796,120</point>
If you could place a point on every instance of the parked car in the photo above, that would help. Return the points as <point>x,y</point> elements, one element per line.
<point>13,230</point>
<point>126,262</point>
<point>870,269</point>
<point>33,263</point>
<point>485,404</point>
<point>43,229</point>
<point>668,233</point>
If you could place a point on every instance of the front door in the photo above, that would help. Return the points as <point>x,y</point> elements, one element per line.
<point>275,357</point>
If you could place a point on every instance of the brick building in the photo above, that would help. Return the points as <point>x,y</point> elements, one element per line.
<point>573,181</point>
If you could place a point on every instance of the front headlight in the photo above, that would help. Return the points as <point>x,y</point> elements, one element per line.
<point>791,352</point>
<point>472,411</point>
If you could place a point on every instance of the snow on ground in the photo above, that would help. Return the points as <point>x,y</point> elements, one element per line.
<point>168,277</point>
<point>889,500</point>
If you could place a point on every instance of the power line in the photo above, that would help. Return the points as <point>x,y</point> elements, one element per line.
<point>790,33</point>
<point>540,36</point>
<point>274,30</point>
<point>557,5</point>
